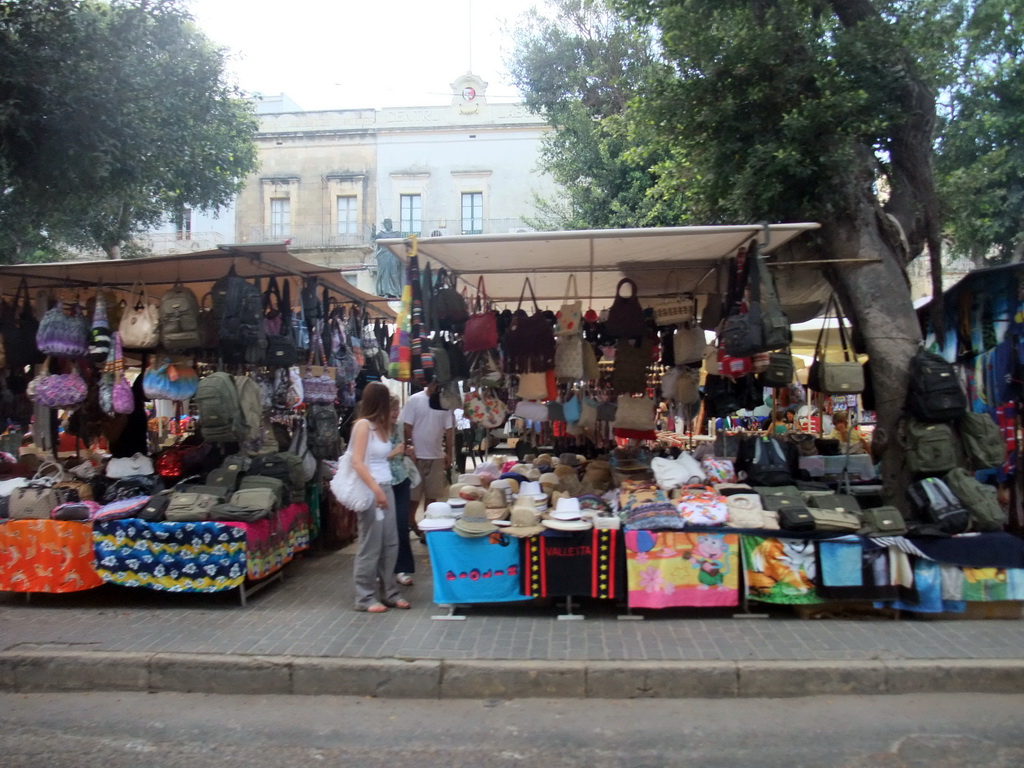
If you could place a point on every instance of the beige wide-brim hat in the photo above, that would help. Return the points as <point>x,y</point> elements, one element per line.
<point>533,474</point>
<point>470,480</point>
<point>544,460</point>
<point>474,522</point>
<point>471,493</point>
<point>524,522</point>
<point>551,479</point>
<point>519,469</point>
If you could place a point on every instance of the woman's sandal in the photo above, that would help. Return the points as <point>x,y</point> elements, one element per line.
<point>373,608</point>
<point>404,579</point>
<point>400,603</point>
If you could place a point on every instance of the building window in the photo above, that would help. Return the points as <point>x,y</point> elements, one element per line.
<point>472,213</point>
<point>347,214</point>
<point>412,214</point>
<point>183,224</point>
<point>280,217</point>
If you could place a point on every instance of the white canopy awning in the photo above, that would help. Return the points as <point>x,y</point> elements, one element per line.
<point>198,270</point>
<point>662,261</point>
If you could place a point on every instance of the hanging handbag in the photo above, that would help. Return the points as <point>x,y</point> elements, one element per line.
<point>63,332</point>
<point>122,397</point>
<point>626,316</point>
<point>688,344</point>
<point>529,343</point>
<point>836,378</point>
<point>779,371</point>
<point>569,317</point>
<point>20,334</point>
<point>168,381</point>
<point>481,327</point>
<point>569,357</point>
<point>687,391</point>
<point>318,388</point>
<point>59,390</point>
<point>634,413</point>
<point>631,360</point>
<point>140,323</point>
<point>734,367</point>
<point>532,386</point>
<point>99,332</point>
<point>300,331</point>
<point>591,369</point>
<point>680,309</point>
<point>531,410</point>
<point>484,408</point>
<point>348,488</point>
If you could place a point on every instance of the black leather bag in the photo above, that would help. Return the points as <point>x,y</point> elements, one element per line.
<point>626,316</point>
<point>796,518</point>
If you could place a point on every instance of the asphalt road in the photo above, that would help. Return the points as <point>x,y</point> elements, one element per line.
<point>168,730</point>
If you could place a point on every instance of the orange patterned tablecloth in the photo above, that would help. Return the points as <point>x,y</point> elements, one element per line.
<point>47,556</point>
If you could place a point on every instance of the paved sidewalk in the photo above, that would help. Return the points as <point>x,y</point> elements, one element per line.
<point>307,620</point>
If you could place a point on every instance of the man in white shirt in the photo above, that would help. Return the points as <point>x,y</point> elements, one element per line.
<point>431,434</point>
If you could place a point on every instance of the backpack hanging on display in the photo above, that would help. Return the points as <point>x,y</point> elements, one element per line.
<point>322,434</point>
<point>983,442</point>
<point>929,448</point>
<point>238,312</point>
<point>775,330</point>
<point>220,414</point>
<point>448,305</point>
<point>980,500</point>
<point>934,393</point>
<point>938,509</point>
<point>282,351</point>
<point>180,326</point>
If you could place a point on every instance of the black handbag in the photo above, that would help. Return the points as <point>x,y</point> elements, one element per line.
<point>19,330</point>
<point>625,316</point>
<point>796,518</point>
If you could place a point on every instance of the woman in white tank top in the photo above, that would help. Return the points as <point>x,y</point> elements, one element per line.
<point>376,588</point>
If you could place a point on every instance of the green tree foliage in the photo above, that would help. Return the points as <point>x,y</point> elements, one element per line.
<point>113,113</point>
<point>785,110</point>
<point>980,160</point>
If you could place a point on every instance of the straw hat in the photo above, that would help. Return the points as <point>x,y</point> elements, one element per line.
<point>551,479</point>
<point>470,480</point>
<point>544,460</point>
<point>567,504</point>
<point>519,469</point>
<point>496,504</point>
<point>524,521</point>
<point>474,522</point>
<point>512,483</point>
<point>533,474</point>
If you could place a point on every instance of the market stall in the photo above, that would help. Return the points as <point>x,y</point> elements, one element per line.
<point>673,335</point>
<point>156,403</point>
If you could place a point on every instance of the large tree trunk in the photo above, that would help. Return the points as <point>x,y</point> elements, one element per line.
<point>876,297</point>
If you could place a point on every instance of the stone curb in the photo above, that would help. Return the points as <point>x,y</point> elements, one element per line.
<point>64,671</point>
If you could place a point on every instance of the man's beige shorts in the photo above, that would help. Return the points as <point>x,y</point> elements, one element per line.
<point>433,485</point>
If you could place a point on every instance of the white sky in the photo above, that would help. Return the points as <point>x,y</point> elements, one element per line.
<point>335,54</point>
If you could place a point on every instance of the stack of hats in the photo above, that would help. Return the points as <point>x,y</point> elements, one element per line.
<point>550,482</point>
<point>598,476</point>
<point>468,487</point>
<point>524,520</point>
<point>532,490</point>
<point>567,516</point>
<point>508,488</point>
<point>438,516</point>
<point>474,523</point>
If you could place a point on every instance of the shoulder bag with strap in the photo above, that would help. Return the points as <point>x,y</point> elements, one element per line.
<point>833,377</point>
<point>569,318</point>
<point>529,343</point>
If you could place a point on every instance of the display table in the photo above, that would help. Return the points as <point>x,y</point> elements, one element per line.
<point>47,556</point>
<point>725,567</point>
<point>201,556</point>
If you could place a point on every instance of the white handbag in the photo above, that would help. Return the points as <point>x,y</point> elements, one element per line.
<point>140,322</point>
<point>348,488</point>
<point>129,465</point>
<point>688,344</point>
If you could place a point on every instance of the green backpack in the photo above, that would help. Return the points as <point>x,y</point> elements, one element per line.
<point>980,500</point>
<point>982,440</point>
<point>930,448</point>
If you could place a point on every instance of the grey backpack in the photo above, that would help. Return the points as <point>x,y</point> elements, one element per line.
<point>984,444</point>
<point>322,433</point>
<point>220,413</point>
<point>179,319</point>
